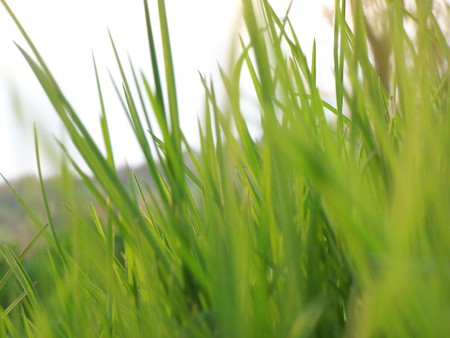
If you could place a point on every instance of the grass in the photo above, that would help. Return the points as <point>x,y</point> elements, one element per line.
<point>323,227</point>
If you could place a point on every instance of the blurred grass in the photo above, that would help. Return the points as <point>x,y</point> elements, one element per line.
<point>322,228</point>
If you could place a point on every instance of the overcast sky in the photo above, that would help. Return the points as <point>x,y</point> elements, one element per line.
<point>66,31</point>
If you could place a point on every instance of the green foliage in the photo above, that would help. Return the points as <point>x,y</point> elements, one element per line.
<point>325,227</point>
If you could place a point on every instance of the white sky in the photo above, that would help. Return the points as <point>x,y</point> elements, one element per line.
<point>65,31</point>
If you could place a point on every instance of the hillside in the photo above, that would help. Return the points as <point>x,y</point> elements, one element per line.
<point>16,226</point>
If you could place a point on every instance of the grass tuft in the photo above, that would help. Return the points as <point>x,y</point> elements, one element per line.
<point>321,227</point>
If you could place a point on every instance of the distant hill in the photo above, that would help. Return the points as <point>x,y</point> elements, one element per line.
<point>15,224</point>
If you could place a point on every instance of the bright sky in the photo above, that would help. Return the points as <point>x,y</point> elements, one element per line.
<point>66,31</point>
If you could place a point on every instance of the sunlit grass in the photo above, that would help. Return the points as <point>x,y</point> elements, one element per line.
<point>322,227</point>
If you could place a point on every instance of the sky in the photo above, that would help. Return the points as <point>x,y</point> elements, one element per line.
<point>67,32</point>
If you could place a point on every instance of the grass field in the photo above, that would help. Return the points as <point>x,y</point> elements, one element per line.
<point>334,223</point>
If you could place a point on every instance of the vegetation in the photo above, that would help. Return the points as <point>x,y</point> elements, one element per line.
<point>323,227</point>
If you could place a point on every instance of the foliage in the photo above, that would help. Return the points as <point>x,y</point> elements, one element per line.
<point>325,227</point>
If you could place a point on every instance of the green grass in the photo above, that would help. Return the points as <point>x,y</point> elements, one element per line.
<point>316,229</point>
